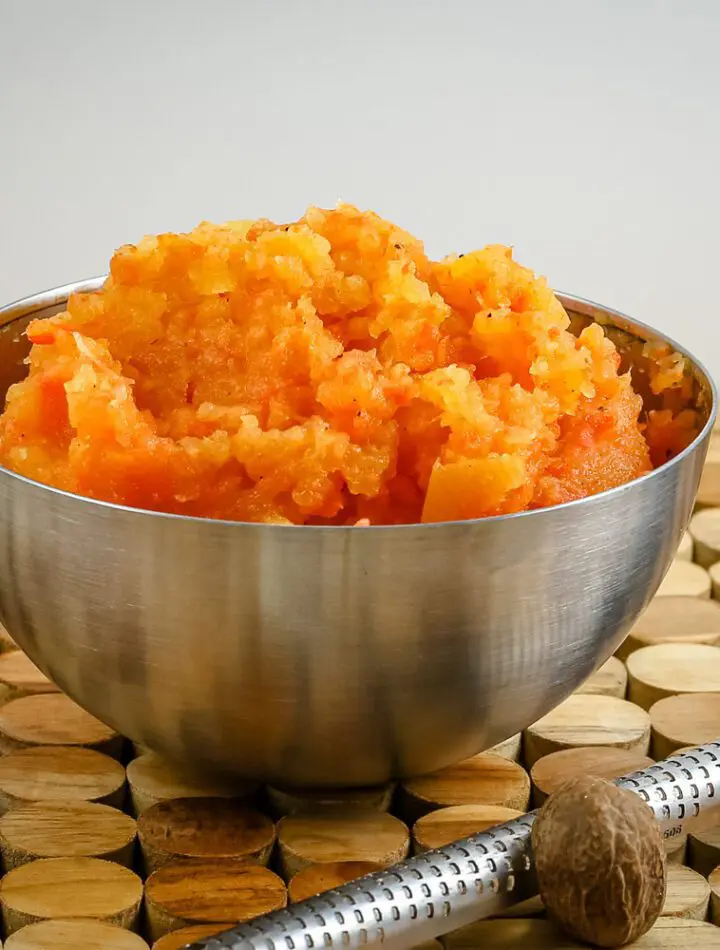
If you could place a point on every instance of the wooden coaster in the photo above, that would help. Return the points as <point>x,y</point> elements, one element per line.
<point>584,720</point>
<point>66,830</point>
<point>337,835</point>
<point>703,851</point>
<point>153,779</point>
<point>681,721</point>
<point>669,933</point>
<point>206,828</point>
<point>74,935</point>
<point>445,825</point>
<point>53,719</point>
<point>60,773</point>
<point>209,892</point>
<point>705,531</point>
<point>686,548</point>
<point>70,888</point>
<point>674,620</point>
<point>179,939</point>
<point>687,894</point>
<point>509,749</point>
<point>318,878</point>
<point>20,677</point>
<point>289,801</point>
<point>685,579</point>
<point>484,779</point>
<point>669,669</point>
<point>551,771</point>
<point>609,680</point>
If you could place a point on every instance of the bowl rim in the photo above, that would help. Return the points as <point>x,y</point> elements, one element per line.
<point>56,296</point>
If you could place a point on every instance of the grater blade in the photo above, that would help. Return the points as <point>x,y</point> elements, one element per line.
<point>439,891</point>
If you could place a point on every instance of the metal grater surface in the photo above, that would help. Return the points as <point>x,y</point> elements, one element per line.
<point>441,890</point>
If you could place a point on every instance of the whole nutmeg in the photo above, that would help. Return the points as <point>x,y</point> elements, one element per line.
<point>600,862</point>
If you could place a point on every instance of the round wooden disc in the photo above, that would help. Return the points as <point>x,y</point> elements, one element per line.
<point>685,579</point>
<point>709,490</point>
<point>53,719</point>
<point>337,835</point>
<point>668,933</point>
<point>681,721</point>
<point>61,773</point>
<point>65,830</point>
<point>551,771</point>
<point>509,749</point>
<point>686,549</point>
<point>687,894</point>
<point>20,677</point>
<point>703,851</point>
<point>179,939</point>
<point>204,828</point>
<point>584,720</point>
<point>74,935</point>
<point>318,878</point>
<point>609,680</point>
<point>289,801</point>
<point>669,669</point>
<point>714,883</point>
<point>153,779</point>
<point>7,644</point>
<point>674,620</point>
<point>484,779</point>
<point>445,825</point>
<point>714,575</point>
<point>204,892</point>
<point>70,888</point>
<point>705,531</point>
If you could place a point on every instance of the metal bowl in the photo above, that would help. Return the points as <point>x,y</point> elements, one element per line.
<point>331,656</point>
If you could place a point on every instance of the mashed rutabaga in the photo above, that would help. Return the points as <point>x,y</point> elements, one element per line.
<point>326,372</point>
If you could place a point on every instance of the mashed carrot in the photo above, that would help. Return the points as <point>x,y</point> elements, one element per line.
<point>326,372</point>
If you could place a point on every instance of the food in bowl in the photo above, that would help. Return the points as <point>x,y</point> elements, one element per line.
<point>327,372</point>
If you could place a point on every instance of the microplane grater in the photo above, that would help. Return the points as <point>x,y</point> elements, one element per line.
<point>441,890</point>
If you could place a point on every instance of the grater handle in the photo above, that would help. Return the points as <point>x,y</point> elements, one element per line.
<point>441,890</point>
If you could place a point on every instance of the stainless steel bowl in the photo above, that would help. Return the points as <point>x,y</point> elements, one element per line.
<point>331,656</point>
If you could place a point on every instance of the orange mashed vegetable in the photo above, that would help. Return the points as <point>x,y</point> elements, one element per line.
<point>326,372</point>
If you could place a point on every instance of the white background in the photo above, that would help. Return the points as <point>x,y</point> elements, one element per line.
<point>586,133</point>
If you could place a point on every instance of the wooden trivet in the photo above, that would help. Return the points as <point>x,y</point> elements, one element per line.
<point>714,883</point>
<point>209,892</point>
<point>74,935</point>
<point>65,830</point>
<point>584,720</point>
<point>338,835</point>
<point>70,888</point>
<point>669,669</point>
<point>487,779</point>
<point>60,773</point>
<point>686,549</point>
<point>153,779</point>
<point>53,719</point>
<point>509,749</point>
<point>685,579</point>
<point>714,574</point>
<point>674,620</point>
<point>7,644</point>
<point>704,850</point>
<point>709,490</point>
<point>204,828</point>
<point>551,771</point>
